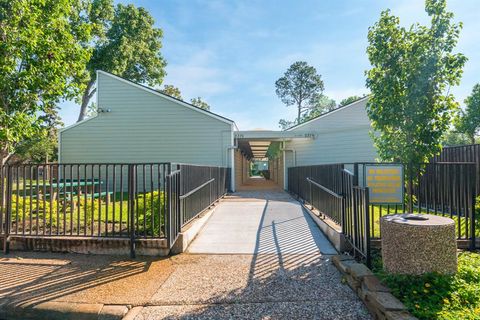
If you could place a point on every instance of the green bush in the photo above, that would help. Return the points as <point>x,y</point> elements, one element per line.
<point>435,296</point>
<point>151,212</point>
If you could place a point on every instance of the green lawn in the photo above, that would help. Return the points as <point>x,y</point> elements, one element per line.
<point>439,297</point>
<point>382,211</point>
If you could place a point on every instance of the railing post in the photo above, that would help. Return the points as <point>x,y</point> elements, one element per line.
<point>131,206</point>
<point>8,210</point>
<point>168,216</point>
<point>355,174</point>
<point>367,227</point>
<point>310,195</point>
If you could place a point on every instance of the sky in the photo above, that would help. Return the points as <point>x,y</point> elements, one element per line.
<point>230,53</point>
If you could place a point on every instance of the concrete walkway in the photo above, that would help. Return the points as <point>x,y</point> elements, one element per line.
<point>260,256</point>
<point>256,222</point>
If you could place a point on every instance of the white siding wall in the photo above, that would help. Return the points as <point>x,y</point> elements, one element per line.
<point>145,127</point>
<point>343,136</point>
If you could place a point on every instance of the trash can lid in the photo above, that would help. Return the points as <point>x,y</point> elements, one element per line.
<point>416,219</point>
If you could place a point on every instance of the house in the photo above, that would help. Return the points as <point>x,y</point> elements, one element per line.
<point>137,124</point>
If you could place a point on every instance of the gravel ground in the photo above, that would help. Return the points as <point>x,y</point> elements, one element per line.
<point>263,286</point>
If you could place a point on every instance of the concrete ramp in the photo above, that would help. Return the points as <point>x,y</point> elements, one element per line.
<point>257,222</point>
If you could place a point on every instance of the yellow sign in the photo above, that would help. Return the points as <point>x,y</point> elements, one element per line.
<point>385,183</point>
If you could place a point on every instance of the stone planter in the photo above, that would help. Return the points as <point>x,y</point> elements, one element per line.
<point>418,243</point>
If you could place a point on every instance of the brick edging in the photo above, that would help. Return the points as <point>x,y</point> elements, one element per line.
<point>381,304</point>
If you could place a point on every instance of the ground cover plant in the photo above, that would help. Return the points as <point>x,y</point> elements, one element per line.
<point>438,297</point>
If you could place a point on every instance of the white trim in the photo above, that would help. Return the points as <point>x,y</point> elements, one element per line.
<point>59,151</point>
<point>285,182</point>
<point>182,103</point>
<point>232,159</point>
<point>76,124</point>
<point>328,113</point>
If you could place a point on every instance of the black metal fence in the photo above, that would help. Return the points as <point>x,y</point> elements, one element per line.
<point>446,189</point>
<point>466,153</point>
<point>115,200</point>
<point>441,188</point>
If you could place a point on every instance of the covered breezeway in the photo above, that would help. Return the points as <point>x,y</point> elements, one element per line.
<point>261,160</point>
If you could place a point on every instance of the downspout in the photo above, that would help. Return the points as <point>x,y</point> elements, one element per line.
<point>230,150</point>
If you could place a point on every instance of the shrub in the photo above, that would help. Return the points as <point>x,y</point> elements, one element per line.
<point>435,296</point>
<point>151,212</point>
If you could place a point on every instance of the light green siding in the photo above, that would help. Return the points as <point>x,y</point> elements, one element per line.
<point>343,136</point>
<point>145,127</point>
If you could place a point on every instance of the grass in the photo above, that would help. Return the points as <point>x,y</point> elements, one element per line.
<point>439,297</point>
<point>380,211</point>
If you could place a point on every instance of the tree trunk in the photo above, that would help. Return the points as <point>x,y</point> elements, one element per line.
<point>87,95</point>
<point>299,113</point>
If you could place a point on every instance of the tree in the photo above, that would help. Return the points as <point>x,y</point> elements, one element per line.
<point>454,138</point>
<point>349,100</point>
<point>468,121</point>
<point>285,124</point>
<point>171,91</point>
<point>126,43</point>
<point>410,106</point>
<point>301,86</point>
<point>41,57</point>
<point>39,149</point>
<point>198,102</point>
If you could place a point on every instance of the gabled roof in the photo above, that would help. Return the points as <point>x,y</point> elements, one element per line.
<point>166,96</point>
<point>326,114</point>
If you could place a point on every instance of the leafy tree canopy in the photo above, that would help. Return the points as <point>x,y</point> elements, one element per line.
<point>412,69</point>
<point>322,104</point>
<point>468,121</point>
<point>198,102</point>
<point>171,91</point>
<point>349,100</point>
<point>125,43</point>
<point>301,86</point>
<point>42,58</point>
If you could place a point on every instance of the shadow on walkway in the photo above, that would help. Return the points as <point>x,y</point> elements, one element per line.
<point>28,278</point>
<point>273,283</point>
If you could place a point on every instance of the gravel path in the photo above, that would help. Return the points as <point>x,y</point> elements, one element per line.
<point>301,286</point>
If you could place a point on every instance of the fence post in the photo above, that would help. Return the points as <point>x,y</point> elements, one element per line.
<point>410,188</point>
<point>355,174</point>
<point>367,227</point>
<point>168,216</point>
<point>8,210</point>
<point>473,194</point>
<point>131,207</point>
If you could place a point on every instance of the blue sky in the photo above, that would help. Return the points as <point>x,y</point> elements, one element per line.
<point>230,53</point>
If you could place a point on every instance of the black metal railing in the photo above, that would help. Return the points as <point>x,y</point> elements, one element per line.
<point>115,200</point>
<point>356,227</point>
<point>446,189</point>
<point>326,201</point>
<point>201,187</point>
<point>328,175</point>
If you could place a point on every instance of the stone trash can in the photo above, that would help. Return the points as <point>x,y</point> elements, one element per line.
<point>418,243</point>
